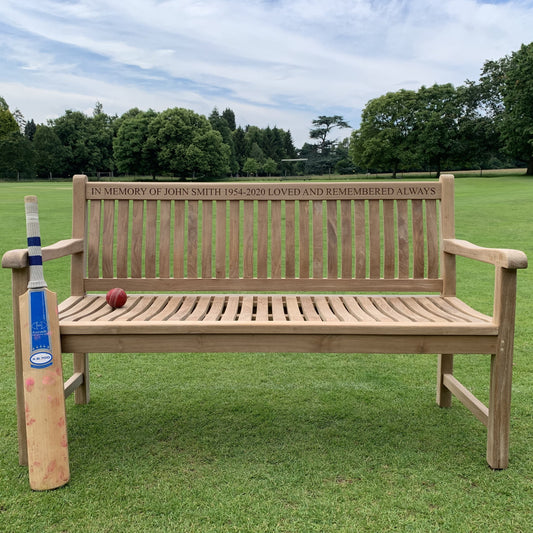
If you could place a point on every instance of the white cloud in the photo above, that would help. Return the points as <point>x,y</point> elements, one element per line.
<point>274,62</point>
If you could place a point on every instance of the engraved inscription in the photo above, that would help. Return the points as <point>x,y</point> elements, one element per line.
<point>167,191</point>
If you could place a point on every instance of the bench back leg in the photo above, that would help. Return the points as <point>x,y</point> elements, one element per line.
<point>81,365</point>
<point>445,366</point>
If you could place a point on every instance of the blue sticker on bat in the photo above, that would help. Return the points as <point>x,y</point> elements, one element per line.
<point>40,349</point>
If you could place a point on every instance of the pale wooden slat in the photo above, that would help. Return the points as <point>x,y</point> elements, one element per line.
<point>217,307</point>
<point>185,309</point>
<point>432,236</point>
<point>192,240</point>
<point>360,239</point>
<point>403,238</point>
<point>309,310</point>
<point>248,240</point>
<point>418,238</point>
<point>303,245</point>
<point>262,239</point>
<point>290,239</point>
<point>78,263</point>
<point>201,308</point>
<point>93,248</point>
<point>123,238</point>
<point>374,232</point>
<point>179,239</point>
<point>293,309</point>
<point>234,240</point>
<point>278,310</point>
<point>247,308</point>
<point>318,240</point>
<point>347,239</point>
<point>232,308</point>
<point>137,231</point>
<point>169,309</point>
<point>150,257</point>
<point>389,241</point>
<point>108,239</point>
<point>220,239</point>
<point>207,239</point>
<point>339,309</point>
<point>275,247</point>
<point>164,239</point>
<point>324,310</point>
<point>332,239</point>
<point>262,301</point>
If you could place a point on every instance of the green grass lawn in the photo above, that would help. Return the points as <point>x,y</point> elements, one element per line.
<point>280,442</point>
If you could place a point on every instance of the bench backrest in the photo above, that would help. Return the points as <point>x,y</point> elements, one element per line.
<point>284,236</point>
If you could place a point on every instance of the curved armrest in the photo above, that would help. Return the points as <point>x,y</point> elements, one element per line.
<point>19,258</point>
<point>502,257</point>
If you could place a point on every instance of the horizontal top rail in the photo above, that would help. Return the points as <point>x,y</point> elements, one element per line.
<point>263,191</point>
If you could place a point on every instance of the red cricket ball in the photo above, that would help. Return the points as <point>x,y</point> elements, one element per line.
<point>116,297</point>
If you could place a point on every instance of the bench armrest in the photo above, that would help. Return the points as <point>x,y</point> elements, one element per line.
<point>19,258</point>
<point>502,257</point>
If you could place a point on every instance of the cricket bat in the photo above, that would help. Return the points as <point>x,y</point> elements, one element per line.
<point>44,398</point>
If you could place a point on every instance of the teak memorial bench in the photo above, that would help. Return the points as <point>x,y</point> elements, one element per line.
<point>279,267</point>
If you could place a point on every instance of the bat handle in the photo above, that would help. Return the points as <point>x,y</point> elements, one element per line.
<point>35,256</point>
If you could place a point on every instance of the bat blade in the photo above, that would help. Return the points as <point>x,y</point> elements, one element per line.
<point>44,397</point>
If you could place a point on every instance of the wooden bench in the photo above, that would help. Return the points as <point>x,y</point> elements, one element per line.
<point>279,267</point>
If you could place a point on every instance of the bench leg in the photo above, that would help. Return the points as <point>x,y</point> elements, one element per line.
<point>81,365</point>
<point>445,366</point>
<point>499,411</point>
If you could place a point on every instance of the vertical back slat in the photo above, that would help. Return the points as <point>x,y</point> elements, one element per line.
<point>318,239</point>
<point>403,238</point>
<point>137,238</point>
<point>432,235</point>
<point>192,240</point>
<point>248,240</point>
<point>275,247</point>
<point>303,223</point>
<point>164,239</point>
<point>150,259</point>
<point>179,239</point>
<point>332,239</point>
<point>418,238</point>
<point>123,238</point>
<point>93,247</point>
<point>347,239</point>
<point>262,239</point>
<point>374,232</point>
<point>108,239</point>
<point>207,239</point>
<point>234,240</point>
<point>290,239</point>
<point>220,239</point>
<point>360,238</point>
<point>389,239</point>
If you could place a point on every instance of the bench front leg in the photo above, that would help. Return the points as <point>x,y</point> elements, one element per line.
<point>501,370</point>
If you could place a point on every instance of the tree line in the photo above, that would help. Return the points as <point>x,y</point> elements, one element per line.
<point>482,124</point>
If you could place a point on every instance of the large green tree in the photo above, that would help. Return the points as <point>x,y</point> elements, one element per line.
<point>51,157</point>
<point>132,154</point>
<point>385,138</point>
<point>517,123</point>
<point>186,144</point>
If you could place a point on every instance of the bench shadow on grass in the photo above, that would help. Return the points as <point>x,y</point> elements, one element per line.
<point>264,426</point>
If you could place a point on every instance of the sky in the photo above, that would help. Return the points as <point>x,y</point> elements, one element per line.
<point>273,62</point>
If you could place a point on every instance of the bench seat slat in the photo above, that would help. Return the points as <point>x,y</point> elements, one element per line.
<point>328,313</point>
